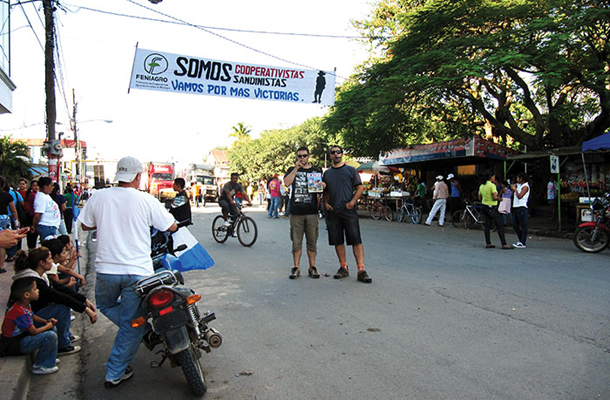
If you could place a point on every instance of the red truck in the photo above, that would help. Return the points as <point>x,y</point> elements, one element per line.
<point>158,179</point>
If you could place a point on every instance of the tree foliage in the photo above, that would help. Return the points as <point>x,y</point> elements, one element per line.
<point>274,152</point>
<point>241,132</point>
<point>14,159</point>
<point>536,71</point>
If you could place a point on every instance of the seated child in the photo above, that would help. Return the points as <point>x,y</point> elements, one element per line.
<point>73,256</point>
<point>67,276</point>
<point>20,336</point>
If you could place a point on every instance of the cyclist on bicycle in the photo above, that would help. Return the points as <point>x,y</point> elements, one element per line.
<point>227,198</point>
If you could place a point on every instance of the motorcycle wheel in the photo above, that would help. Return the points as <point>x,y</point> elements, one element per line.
<point>247,232</point>
<point>191,368</point>
<point>416,215</point>
<point>582,240</point>
<point>219,231</point>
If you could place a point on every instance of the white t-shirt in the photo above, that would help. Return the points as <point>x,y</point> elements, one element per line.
<point>123,217</point>
<point>45,205</point>
<point>521,202</point>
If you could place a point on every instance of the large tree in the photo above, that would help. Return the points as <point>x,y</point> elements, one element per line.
<point>536,72</point>
<point>14,159</point>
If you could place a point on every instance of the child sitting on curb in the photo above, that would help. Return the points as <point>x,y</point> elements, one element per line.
<point>20,335</point>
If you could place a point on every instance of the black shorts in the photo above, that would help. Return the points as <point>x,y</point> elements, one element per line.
<point>343,224</point>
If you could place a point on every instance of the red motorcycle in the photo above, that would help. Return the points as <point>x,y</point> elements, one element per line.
<point>594,236</point>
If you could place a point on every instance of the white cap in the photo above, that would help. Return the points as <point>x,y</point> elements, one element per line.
<point>127,169</point>
<point>439,178</point>
<point>450,176</point>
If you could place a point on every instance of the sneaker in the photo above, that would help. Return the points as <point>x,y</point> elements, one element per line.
<point>114,383</point>
<point>519,245</point>
<point>342,273</point>
<point>294,273</point>
<point>227,223</point>
<point>44,371</point>
<point>313,273</point>
<point>364,277</point>
<point>68,350</point>
<point>57,361</point>
<point>74,338</point>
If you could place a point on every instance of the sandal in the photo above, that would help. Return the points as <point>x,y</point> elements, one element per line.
<point>507,247</point>
<point>313,273</point>
<point>490,246</point>
<point>294,273</point>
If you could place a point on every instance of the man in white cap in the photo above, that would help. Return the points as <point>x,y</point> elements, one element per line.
<point>441,192</point>
<point>455,194</point>
<point>123,216</point>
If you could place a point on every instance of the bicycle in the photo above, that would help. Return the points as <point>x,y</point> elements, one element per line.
<point>378,210</point>
<point>470,217</point>
<point>408,211</point>
<point>242,225</point>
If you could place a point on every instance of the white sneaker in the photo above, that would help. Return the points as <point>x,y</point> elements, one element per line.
<point>227,223</point>
<point>44,371</point>
<point>519,245</point>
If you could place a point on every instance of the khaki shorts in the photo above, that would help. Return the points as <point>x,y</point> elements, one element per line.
<point>307,224</point>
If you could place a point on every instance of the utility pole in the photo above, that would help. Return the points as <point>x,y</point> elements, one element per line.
<point>49,84</point>
<point>77,147</point>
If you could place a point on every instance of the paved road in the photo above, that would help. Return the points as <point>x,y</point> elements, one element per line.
<point>444,318</point>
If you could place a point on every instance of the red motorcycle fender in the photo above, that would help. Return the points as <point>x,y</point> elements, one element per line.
<point>176,340</point>
<point>591,224</point>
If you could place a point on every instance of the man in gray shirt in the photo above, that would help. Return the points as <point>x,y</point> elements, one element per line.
<point>343,189</point>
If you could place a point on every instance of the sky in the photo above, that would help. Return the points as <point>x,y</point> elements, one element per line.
<point>96,53</point>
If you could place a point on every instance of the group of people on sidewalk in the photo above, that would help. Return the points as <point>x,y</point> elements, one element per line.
<point>511,198</point>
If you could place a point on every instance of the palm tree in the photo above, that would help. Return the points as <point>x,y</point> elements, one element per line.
<point>14,159</point>
<point>241,132</point>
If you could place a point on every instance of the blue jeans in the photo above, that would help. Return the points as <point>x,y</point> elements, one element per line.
<point>46,231</point>
<point>116,298</point>
<point>61,313</point>
<point>273,206</point>
<point>46,344</point>
<point>520,223</point>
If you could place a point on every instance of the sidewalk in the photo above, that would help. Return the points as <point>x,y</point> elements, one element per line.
<point>15,372</point>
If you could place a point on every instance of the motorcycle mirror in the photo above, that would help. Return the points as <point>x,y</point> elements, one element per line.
<point>182,247</point>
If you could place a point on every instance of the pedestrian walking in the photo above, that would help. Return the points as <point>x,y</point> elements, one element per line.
<point>343,189</point>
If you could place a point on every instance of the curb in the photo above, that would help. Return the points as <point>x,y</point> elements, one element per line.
<point>15,374</point>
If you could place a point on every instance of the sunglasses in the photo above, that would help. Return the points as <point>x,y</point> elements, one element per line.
<point>336,152</point>
<point>302,155</point>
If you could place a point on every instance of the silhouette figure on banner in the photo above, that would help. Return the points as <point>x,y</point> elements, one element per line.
<point>320,85</point>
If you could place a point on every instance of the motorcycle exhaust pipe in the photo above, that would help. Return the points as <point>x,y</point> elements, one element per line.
<point>213,337</point>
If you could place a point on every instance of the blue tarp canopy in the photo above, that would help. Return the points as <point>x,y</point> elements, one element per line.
<point>599,143</point>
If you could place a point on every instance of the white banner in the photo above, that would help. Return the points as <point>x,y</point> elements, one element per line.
<point>167,72</point>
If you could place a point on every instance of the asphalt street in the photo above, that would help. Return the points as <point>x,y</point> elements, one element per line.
<point>445,318</point>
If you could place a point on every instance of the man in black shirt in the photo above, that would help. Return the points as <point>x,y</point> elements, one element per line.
<point>227,198</point>
<point>181,206</point>
<point>307,186</point>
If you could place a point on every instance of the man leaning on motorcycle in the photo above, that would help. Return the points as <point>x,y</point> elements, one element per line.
<point>123,216</point>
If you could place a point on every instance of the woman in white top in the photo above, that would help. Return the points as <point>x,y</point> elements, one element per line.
<point>521,194</point>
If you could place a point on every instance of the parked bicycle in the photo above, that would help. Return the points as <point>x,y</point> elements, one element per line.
<point>379,210</point>
<point>242,226</point>
<point>470,217</point>
<point>409,212</point>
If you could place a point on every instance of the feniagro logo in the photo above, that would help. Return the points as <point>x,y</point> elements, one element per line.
<point>155,64</point>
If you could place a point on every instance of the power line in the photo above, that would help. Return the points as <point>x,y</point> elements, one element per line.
<point>178,22</point>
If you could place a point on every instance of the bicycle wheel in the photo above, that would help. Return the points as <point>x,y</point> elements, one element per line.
<point>387,213</point>
<point>456,219</point>
<point>416,215</point>
<point>469,221</point>
<point>400,215</point>
<point>376,212</point>
<point>219,231</point>
<point>247,232</point>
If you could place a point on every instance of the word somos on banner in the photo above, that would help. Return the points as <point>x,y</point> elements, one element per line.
<point>154,70</point>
